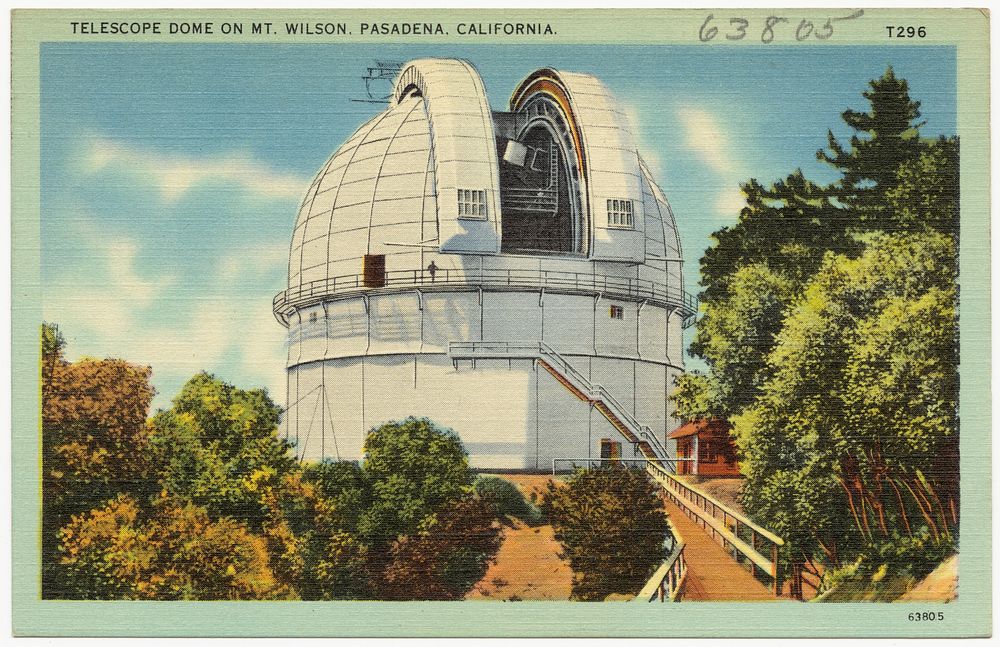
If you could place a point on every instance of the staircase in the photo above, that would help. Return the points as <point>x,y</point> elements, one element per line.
<point>722,552</point>
<point>576,383</point>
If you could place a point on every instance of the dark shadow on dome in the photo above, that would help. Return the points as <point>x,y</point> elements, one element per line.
<point>538,215</point>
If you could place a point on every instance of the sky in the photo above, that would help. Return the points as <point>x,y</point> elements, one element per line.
<point>172,174</point>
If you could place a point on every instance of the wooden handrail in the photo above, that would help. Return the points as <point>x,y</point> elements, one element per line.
<point>672,572</point>
<point>667,583</point>
<point>743,519</point>
<point>697,504</point>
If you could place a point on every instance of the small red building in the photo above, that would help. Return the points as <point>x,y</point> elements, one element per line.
<point>707,441</point>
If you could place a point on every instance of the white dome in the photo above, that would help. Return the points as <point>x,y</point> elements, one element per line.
<point>446,249</point>
<point>378,187</point>
<point>434,179</point>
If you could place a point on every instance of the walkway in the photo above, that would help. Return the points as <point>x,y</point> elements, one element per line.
<point>712,574</point>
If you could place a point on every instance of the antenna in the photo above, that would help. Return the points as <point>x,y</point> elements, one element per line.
<point>378,75</point>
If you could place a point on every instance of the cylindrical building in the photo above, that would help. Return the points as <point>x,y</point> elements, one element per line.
<point>515,276</point>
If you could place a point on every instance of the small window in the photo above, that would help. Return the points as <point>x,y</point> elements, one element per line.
<point>312,317</point>
<point>471,203</point>
<point>617,312</point>
<point>620,214</point>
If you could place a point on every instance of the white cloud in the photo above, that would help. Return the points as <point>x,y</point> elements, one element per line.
<point>707,139</point>
<point>730,201</point>
<point>256,262</point>
<point>106,297</point>
<point>113,310</point>
<point>175,175</point>
<point>706,136</point>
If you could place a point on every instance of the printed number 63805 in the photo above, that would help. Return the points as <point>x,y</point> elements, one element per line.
<point>926,616</point>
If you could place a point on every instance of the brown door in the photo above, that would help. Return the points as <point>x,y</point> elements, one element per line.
<point>611,451</point>
<point>374,270</point>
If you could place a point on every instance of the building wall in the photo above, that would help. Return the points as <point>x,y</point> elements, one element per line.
<point>510,414</point>
<point>425,322</point>
<point>362,362</point>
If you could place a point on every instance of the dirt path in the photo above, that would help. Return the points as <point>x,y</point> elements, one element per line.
<point>940,586</point>
<point>712,574</point>
<point>528,566</point>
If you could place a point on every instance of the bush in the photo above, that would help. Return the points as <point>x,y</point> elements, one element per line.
<point>446,559</point>
<point>414,468</point>
<point>508,500</point>
<point>613,529</point>
<point>179,553</point>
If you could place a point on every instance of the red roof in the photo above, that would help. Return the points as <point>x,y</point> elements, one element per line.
<point>715,426</point>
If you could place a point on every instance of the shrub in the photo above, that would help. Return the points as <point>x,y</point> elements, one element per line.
<point>447,557</point>
<point>508,500</point>
<point>414,468</point>
<point>613,529</point>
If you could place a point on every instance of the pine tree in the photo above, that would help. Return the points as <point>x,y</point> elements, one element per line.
<point>885,137</point>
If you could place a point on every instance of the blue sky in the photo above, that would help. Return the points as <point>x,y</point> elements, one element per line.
<point>171,174</point>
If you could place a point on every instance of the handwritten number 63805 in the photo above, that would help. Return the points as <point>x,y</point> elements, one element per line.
<point>738,28</point>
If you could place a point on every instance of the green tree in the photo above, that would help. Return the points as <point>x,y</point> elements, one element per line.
<point>886,136</point>
<point>94,440</point>
<point>696,396</point>
<point>311,532</point>
<point>414,468</point>
<point>613,529</point>
<point>787,226</point>
<point>173,552</point>
<point>446,557</point>
<point>926,193</point>
<point>53,345</point>
<point>852,446</point>
<point>738,331</point>
<point>216,444</point>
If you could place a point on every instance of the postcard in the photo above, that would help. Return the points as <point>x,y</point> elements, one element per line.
<point>501,323</point>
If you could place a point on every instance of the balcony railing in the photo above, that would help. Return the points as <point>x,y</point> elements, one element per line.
<point>286,302</point>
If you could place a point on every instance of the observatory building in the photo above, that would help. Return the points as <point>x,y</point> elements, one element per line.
<point>514,275</point>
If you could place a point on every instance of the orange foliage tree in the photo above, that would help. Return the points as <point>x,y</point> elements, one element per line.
<point>175,553</point>
<point>93,438</point>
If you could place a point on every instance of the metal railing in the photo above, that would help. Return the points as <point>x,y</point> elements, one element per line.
<point>594,392</point>
<point>587,461</point>
<point>733,530</point>
<point>313,292</point>
<point>541,200</point>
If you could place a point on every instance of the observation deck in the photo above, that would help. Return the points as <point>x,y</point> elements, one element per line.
<point>351,285</point>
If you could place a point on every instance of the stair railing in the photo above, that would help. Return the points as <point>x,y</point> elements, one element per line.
<point>596,392</point>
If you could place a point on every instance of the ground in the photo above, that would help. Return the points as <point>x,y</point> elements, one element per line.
<point>528,566</point>
<point>726,490</point>
<point>940,586</point>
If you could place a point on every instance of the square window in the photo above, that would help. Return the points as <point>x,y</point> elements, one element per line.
<point>472,203</point>
<point>620,213</point>
<point>617,312</point>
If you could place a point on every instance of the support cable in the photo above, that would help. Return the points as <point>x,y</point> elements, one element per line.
<point>309,430</point>
<point>333,428</point>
